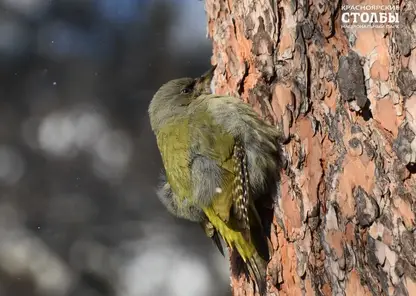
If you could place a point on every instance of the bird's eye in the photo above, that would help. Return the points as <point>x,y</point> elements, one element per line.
<point>186,90</point>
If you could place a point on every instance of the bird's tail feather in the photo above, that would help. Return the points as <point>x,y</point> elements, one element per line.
<point>257,264</point>
<point>257,268</point>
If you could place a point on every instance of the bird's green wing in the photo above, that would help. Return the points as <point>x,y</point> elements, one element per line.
<point>213,165</point>
<point>219,164</point>
<point>231,211</point>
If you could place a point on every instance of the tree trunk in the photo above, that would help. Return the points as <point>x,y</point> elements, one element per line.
<point>345,100</point>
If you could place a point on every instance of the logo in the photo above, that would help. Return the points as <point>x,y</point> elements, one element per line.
<point>370,16</point>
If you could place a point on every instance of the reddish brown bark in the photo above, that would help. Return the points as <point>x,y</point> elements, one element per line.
<point>344,221</point>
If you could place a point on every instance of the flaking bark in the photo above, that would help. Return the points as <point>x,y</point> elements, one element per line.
<point>345,100</point>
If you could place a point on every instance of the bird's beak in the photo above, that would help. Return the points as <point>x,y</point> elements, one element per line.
<point>203,83</point>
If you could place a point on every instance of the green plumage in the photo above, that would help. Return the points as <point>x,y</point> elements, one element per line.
<point>173,142</point>
<point>218,155</point>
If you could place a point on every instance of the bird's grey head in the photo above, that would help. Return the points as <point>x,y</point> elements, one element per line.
<point>172,98</point>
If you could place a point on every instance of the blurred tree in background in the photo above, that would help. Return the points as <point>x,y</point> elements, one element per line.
<point>78,162</point>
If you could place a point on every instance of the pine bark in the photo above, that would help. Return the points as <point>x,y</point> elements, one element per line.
<point>345,101</point>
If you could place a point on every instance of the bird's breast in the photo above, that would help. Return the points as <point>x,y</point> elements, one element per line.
<point>173,142</point>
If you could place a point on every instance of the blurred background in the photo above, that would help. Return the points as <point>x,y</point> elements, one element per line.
<point>78,161</point>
